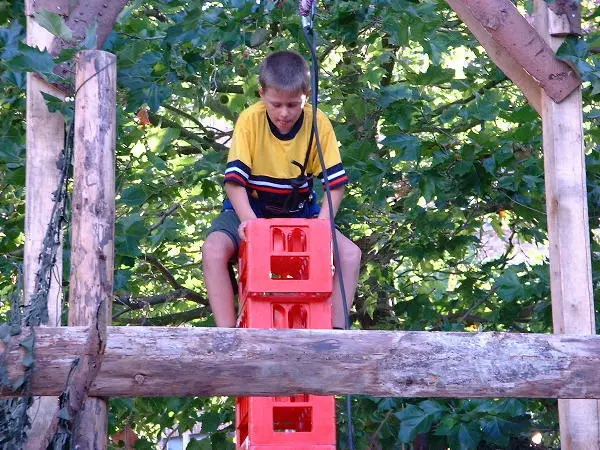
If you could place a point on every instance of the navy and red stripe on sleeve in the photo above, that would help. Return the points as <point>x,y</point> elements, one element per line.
<point>237,172</point>
<point>336,175</point>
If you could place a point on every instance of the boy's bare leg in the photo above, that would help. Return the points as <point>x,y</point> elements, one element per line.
<point>349,265</point>
<point>216,253</point>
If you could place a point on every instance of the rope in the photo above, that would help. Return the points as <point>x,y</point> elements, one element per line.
<point>309,36</point>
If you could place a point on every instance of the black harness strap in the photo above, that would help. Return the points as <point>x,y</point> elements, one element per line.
<point>294,201</point>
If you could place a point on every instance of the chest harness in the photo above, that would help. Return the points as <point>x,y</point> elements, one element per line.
<point>296,200</point>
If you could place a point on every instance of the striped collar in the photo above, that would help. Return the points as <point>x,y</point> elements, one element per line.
<point>290,134</point>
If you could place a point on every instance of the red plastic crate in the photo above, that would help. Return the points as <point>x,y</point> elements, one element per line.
<point>286,423</point>
<point>285,312</point>
<point>286,256</point>
<point>286,278</point>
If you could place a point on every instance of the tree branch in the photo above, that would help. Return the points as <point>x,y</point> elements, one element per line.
<point>221,109</point>
<point>164,215</point>
<point>152,260</point>
<point>158,120</point>
<point>137,303</point>
<point>464,101</point>
<point>188,116</point>
<point>171,319</point>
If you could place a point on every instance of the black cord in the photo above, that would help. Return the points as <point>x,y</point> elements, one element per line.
<point>309,35</point>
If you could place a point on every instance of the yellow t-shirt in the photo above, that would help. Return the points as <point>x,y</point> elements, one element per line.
<point>260,158</point>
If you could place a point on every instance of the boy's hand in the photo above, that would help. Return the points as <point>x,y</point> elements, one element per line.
<point>242,230</point>
<point>337,194</point>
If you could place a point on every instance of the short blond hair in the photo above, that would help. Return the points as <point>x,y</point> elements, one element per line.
<point>286,70</point>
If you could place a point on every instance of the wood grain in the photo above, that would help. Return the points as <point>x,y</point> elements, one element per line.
<point>161,361</point>
<point>508,33</point>
<point>568,235</point>
<point>92,237</point>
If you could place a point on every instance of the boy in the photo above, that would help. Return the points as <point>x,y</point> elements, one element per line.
<point>263,178</point>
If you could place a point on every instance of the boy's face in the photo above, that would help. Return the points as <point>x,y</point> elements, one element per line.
<point>283,107</point>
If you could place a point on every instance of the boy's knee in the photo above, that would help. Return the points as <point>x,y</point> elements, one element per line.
<point>217,247</point>
<point>351,253</point>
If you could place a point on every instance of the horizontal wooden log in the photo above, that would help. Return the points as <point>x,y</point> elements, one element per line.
<point>161,361</point>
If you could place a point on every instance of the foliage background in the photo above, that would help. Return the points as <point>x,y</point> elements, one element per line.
<point>446,200</point>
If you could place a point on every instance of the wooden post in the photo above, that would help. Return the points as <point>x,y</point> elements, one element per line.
<point>568,232</point>
<point>92,245</point>
<point>45,142</point>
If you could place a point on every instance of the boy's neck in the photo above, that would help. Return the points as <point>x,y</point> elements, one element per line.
<point>290,134</point>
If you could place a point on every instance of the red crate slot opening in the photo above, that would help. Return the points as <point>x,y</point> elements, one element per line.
<point>292,419</point>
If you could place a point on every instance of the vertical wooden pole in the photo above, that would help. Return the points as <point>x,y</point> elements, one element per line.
<point>568,232</point>
<point>92,245</point>
<point>45,142</point>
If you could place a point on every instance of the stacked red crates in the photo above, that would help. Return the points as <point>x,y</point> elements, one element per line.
<point>285,281</point>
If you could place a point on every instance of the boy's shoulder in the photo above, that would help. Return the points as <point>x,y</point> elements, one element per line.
<point>255,110</point>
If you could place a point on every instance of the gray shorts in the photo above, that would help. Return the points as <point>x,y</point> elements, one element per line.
<point>227,222</point>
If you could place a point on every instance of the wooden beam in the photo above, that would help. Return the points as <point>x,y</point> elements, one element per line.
<point>499,55</point>
<point>517,39</point>
<point>564,18</point>
<point>92,243</point>
<point>568,235</point>
<point>161,361</point>
<point>61,7</point>
<point>82,18</point>
<point>45,141</point>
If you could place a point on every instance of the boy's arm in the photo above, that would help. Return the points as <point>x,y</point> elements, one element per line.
<point>337,195</point>
<point>239,199</point>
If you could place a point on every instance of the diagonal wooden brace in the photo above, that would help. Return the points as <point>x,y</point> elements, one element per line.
<point>517,48</point>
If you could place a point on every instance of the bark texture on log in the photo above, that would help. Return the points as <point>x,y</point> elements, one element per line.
<point>81,20</point>
<point>159,361</point>
<point>511,31</point>
<point>92,242</point>
<point>61,7</point>
<point>45,142</point>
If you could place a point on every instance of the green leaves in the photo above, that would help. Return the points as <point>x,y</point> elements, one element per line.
<point>54,23</point>
<point>418,419</point>
<point>134,195</point>
<point>129,231</point>
<point>508,286</point>
<point>395,92</point>
<point>259,36</point>
<point>408,146</point>
<point>440,151</point>
<point>10,38</point>
<point>55,104</point>
<point>465,424</point>
<point>30,59</point>
<point>434,75</point>
<point>467,437</point>
<point>147,81</point>
<point>482,109</point>
<point>575,51</point>
<point>203,444</point>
